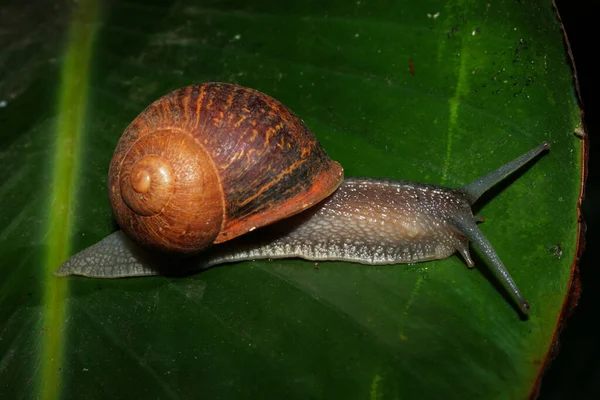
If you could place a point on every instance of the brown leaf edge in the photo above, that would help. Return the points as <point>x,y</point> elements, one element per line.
<point>572,297</point>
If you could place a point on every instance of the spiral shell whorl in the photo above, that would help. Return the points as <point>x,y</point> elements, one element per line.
<point>167,194</point>
<point>148,186</point>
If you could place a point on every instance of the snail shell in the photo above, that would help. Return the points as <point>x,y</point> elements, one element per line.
<point>207,163</point>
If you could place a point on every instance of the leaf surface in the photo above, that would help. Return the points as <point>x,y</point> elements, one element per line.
<point>427,91</point>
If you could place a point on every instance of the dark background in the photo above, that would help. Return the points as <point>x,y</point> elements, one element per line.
<point>575,373</point>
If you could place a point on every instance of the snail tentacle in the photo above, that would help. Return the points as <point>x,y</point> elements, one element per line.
<point>475,189</point>
<point>469,228</point>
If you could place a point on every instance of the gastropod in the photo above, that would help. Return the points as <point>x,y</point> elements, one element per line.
<point>202,167</point>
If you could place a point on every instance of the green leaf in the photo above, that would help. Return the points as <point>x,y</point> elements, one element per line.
<point>427,91</point>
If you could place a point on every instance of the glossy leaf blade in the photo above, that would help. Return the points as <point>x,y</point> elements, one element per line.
<point>427,91</point>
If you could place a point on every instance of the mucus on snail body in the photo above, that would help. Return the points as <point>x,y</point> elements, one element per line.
<point>210,163</point>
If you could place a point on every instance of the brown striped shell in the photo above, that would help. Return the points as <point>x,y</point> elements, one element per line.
<point>207,163</point>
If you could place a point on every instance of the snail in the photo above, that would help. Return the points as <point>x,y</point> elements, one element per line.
<point>202,167</point>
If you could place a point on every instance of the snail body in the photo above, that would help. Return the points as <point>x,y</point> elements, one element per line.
<point>316,214</point>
